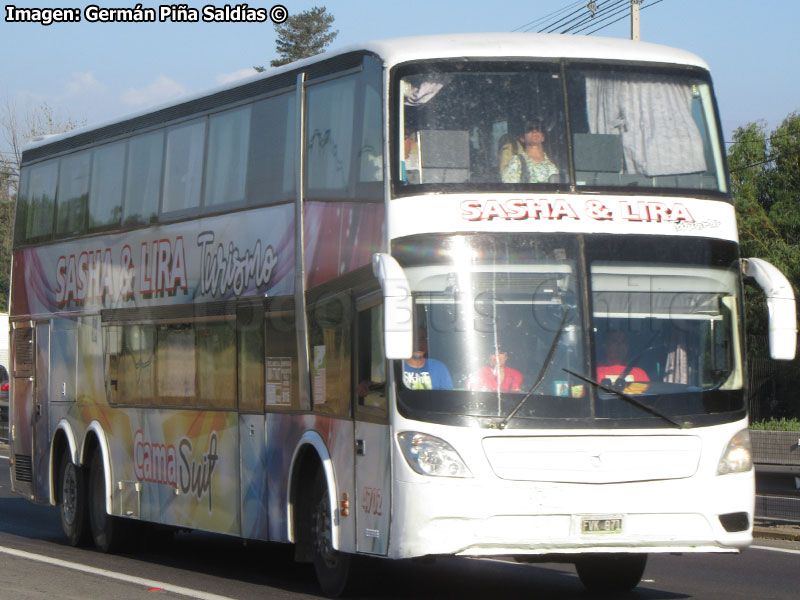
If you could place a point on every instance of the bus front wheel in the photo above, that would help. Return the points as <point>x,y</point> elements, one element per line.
<point>109,532</point>
<point>611,573</point>
<point>331,566</point>
<point>72,502</point>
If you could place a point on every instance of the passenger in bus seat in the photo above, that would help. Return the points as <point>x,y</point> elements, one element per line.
<point>533,165</point>
<point>423,373</point>
<point>507,146</point>
<point>614,360</point>
<point>496,376</point>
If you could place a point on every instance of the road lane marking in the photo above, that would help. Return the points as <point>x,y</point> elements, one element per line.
<point>148,583</point>
<point>787,550</point>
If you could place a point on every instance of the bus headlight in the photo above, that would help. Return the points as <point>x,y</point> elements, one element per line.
<point>738,456</point>
<point>429,455</point>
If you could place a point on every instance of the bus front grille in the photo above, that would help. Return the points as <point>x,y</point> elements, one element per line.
<point>23,468</point>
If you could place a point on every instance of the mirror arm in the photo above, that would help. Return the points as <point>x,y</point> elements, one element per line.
<point>398,309</point>
<point>781,306</point>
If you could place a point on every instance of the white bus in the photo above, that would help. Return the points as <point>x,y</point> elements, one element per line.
<point>469,295</point>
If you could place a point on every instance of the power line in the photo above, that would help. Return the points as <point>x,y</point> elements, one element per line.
<point>552,26</point>
<point>587,11</point>
<point>535,22</point>
<point>642,7</point>
<point>621,6</point>
<point>578,21</point>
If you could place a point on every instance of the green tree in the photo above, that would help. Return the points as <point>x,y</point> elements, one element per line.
<point>765,182</point>
<point>15,131</point>
<point>305,34</point>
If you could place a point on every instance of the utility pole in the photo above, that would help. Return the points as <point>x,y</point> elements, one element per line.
<point>635,31</point>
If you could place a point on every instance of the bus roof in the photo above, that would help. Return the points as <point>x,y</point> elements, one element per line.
<point>399,50</point>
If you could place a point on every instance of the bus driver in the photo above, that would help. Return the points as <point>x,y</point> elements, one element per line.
<point>422,373</point>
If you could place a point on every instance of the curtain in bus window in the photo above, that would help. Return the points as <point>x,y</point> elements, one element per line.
<point>143,179</point>
<point>654,118</point>
<point>73,193</point>
<point>175,364</point>
<point>41,200</point>
<point>216,364</point>
<point>131,349</point>
<point>329,134</point>
<point>183,166</point>
<point>105,195</point>
<point>228,141</point>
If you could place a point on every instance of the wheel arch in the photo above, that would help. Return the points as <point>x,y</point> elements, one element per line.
<point>63,441</point>
<point>96,439</point>
<point>310,454</point>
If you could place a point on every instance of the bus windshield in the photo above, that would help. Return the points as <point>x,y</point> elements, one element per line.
<point>497,125</point>
<point>499,319</point>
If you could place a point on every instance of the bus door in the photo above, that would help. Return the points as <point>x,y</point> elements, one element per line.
<point>28,411</point>
<point>372,437</point>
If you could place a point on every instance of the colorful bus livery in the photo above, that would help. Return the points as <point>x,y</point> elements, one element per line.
<point>187,262</point>
<point>470,295</point>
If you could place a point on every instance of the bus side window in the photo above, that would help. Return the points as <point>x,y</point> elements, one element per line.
<point>371,365</point>
<point>143,178</point>
<point>271,157</point>
<point>281,355</point>
<point>73,193</point>
<point>40,202</point>
<point>330,354</point>
<point>250,364</point>
<point>105,193</point>
<point>329,137</point>
<point>183,166</point>
<point>226,164</point>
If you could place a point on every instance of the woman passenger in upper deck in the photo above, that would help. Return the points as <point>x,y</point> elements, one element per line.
<point>533,165</point>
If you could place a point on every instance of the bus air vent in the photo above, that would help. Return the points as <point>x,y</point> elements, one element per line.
<point>23,351</point>
<point>23,468</point>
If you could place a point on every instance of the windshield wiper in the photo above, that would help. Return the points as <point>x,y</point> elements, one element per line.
<point>545,366</point>
<point>628,398</point>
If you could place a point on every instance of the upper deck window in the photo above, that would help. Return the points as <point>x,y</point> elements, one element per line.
<point>503,126</point>
<point>639,128</point>
<point>183,166</point>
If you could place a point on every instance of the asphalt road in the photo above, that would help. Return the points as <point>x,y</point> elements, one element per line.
<point>36,563</point>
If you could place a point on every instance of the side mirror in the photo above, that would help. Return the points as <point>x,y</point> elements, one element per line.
<point>781,306</point>
<point>398,330</point>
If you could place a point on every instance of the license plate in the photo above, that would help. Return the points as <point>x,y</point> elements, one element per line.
<point>601,525</point>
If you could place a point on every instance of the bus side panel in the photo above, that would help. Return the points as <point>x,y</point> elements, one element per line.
<point>253,467</point>
<point>187,464</point>
<point>340,237</point>
<point>283,435</point>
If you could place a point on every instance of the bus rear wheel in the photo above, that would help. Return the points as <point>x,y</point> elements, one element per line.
<point>611,573</point>
<point>72,502</point>
<point>331,566</point>
<point>110,533</point>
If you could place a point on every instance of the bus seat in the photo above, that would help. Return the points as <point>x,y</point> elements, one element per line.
<point>445,156</point>
<point>598,152</point>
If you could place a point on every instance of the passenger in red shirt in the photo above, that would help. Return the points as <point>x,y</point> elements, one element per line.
<point>496,374</point>
<point>613,362</point>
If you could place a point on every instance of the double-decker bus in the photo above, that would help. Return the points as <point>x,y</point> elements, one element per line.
<point>472,295</point>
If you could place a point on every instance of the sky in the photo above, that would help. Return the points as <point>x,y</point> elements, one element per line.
<point>95,72</point>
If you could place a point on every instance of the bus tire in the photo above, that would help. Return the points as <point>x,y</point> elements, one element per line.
<point>109,532</point>
<point>333,568</point>
<point>72,502</point>
<point>611,573</point>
